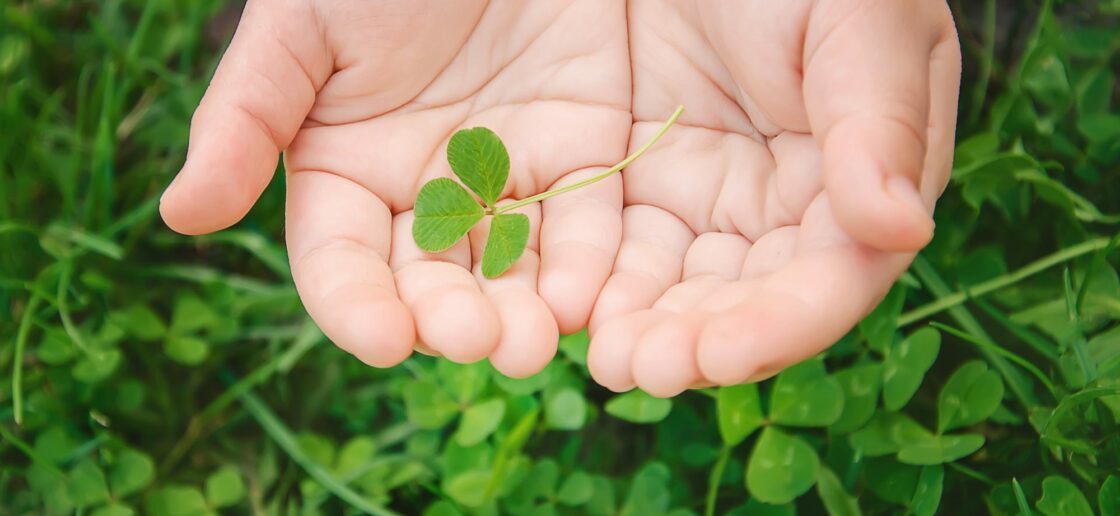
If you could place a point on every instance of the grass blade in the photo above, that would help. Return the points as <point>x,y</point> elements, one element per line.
<point>287,442</point>
<point>17,361</point>
<point>947,300</point>
<point>983,343</point>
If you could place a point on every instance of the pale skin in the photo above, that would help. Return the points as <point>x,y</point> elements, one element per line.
<point>794,190</point>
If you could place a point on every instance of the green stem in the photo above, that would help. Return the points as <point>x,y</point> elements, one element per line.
<point>980,289</point>
<point>1078,342</point>
<point>575,186</point>
<point>64,307</point>
<point>713,481</point>
<point>17,364</point>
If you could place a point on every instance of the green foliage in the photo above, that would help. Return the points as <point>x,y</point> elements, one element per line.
<point>445,211</point>
<point>781,467</point>
<point>638,407</point>
<point>509,233</point>
<point>149,373</point>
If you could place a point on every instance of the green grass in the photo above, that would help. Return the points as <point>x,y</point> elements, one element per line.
<point>147,371</point>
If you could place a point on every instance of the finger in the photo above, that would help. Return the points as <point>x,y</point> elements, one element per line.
<point>664,358</point>
<point>945,82</point>
<point>649,261</point>
<point>453,317</point>
<point>712,260</point>
<point>610,353</point>
<point>716,254</point>
<point>770,252</point>
<point>800,302</point>
<point>689,294</point>
<point>580,235</point>
<point>337,251</point>
<point>259,96</point>
<point>529,334</point>
<point>867,94</point>
<point>795,312</point>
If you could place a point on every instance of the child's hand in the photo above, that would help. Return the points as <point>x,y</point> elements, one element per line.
<point>365,94</point>
<point>783,205</point>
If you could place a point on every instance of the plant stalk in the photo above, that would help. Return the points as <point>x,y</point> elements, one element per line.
<point>619,166</point>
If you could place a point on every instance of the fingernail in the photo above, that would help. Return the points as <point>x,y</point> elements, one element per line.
<point>903,189</point>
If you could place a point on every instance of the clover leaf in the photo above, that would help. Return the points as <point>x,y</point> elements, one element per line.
<point>445,211</point>
<point>479,158</point>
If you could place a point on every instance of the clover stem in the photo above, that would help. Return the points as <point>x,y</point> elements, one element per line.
<point>575,186</point>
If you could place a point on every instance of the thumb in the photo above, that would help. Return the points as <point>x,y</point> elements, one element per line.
<point>261,92</point>
<point>881,83</point>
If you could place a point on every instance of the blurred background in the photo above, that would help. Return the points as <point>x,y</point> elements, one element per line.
<point>149,373</point>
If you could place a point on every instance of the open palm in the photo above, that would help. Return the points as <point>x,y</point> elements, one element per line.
<point>744,245</point>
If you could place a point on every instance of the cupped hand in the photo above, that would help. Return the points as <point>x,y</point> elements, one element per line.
<point>796,188</point>
<point>364,97</point>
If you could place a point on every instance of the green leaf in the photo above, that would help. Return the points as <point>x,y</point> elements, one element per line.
<point>131,472</point>
<point>602,500</point>
<point>442,508</point>
<point>457,459</point>
<point>836,500</point>
<point>427,405</point>
<point>574,346</point>
<point>479,421</point>
<point>56,348</point>
<point>87,484</point>
<point>192,314</point>
<point>54,445</point>
<point>890,480</point>
<point>565,409</point>
<point>577,489</point>
<point>139,321</point>
<point>1044,75</point>
<point>1109,496</point>
<point>187,350</point>
<point>781,467</point>
<point>970,395</point>
<point>355,454</point>
<point>886,433</point>
<point>542,479</point>
<point>861,393</point>
<point>479,159</point>
<point>96,366</point>
<point>879,326</point>
<point>509,233</point>
<point>927,495</point>
<point>638,407</point>
<point>906,364</point>
<point>1099,127</point>
<point>176,500</point>
<point>754,507</point>
<point>464,381</point>
<point>804,395</point>
<point>319,449</point>
<point>114,510</point>
<point>940,449</point>
<point>649,491</point>
<point>740,412</point>
<point>225,487</point>
<point>1060,497</point>
<point>444,212</point>
<point>50,484</point>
